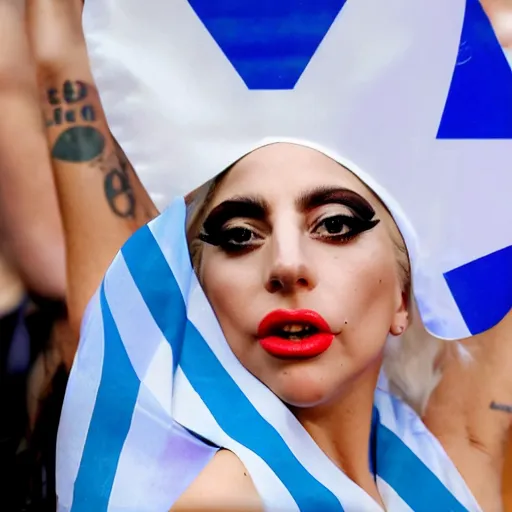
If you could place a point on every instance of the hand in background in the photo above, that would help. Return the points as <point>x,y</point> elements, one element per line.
<point>56,35</point>
<point>31,234</point>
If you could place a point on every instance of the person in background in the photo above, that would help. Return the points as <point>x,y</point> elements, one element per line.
<point>32,383</point>
<point>11,386</point>
<point>31,234</point>
<point>33,263</point>
<point>58,234</point>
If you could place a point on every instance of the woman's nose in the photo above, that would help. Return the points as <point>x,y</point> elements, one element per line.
<point>290,270</point>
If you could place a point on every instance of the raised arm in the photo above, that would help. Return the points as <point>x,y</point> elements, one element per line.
<point>30,227</point>
<point>470,411</point>
<point>101,200</point>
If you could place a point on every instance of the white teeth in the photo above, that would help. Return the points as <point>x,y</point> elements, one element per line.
<point>293,328</point>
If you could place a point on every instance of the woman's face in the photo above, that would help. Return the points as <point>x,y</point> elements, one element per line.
<point>296,240</point>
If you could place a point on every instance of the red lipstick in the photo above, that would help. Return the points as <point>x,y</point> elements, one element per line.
<point>294,333</point>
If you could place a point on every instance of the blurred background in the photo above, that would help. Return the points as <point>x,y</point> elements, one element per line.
<point>59,230</point>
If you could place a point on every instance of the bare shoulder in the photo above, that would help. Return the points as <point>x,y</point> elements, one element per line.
<point>224,484</point>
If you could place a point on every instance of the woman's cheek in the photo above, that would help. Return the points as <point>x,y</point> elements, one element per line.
<point>227,287</point>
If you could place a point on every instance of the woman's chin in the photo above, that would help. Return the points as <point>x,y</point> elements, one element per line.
<point>303,388</point>
<point>303,401</point>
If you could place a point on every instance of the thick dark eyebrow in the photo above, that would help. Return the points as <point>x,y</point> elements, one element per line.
<point>344,196</point>
<point>245,207</point>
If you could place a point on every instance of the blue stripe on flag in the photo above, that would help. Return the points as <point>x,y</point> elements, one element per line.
<point>268,42</point>
<point>482,289</point>
<point>238,418</point>
<point>404,472</point>
<point>161,293</point>
<point>231,409</point>
<point>110,422</point>
<point>479,104</point>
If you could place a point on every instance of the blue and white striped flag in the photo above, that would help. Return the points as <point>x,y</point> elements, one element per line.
<point>153,360</point>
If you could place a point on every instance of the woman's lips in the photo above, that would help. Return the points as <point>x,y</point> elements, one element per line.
<point>272,339</point>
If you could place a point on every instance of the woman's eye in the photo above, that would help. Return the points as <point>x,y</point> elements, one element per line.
<point>334,226</point>
<point>238,235</point>
<point>238,239</point>
<point>342,228</point>
<point>232,239</point>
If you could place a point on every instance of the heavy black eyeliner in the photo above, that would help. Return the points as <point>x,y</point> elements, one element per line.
<point>336,195</point>
<point>365,226</point>
<point>355,224</point>
<point>256,208</point>
<point>223,240</point>
<point>242,207</point>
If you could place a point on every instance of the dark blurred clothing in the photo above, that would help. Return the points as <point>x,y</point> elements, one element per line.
<point>27,459</point>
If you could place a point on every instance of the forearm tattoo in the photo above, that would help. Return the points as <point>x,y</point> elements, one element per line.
<point>81,142</point>
<point>118,188</point>
<point>501,407</point>
<point>78,143</point>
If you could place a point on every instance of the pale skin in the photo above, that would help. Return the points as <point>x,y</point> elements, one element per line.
<point>289,266</point>
<point>31,233</point>
<point>101,200</point>
<point>500,14</point>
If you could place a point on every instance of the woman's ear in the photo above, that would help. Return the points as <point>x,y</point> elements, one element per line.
<point>401,317</point>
